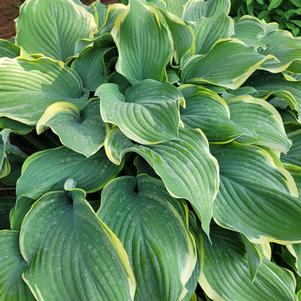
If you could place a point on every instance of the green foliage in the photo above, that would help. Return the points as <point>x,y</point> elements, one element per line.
<point>150,152</point>
<point>285,12</point>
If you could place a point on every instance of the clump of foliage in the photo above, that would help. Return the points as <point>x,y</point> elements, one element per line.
<point>287,13</point>
<point>149,151</point>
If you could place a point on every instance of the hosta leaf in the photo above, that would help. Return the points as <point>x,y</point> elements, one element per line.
<point>4,163</point>
<point>80,130</point>
<point>173,76</point>
<point>253,256</point>
<point>213,68</point>
<point>286,48</point>
<point>90,63</point>
<point>6,204</point>
<point>282,99</point>
<point>53,27</point>
<point>99,10</point>
<point>244,90</point>
<point>18,212</point>
<point>290,120</point>
<point>256,255</point>
<point>48,170</point>
<point>113,11</point>
<point>144,50</point>
<point>282,45</point>
<point>209,112</point>
<point>253,32</point>
<point>210,30</point>
<point>225,275</point>
<point>191,285</point>
<point>143,216</point>
<point>15,126</point>
<point>12,266</point>
<point>120,81</point>
<point>77,259</point>
<point>28,87</point>
<point>295,249</point>
<point>8,49</point>
<point>288,91</point>
<point>182,35</point>
<point>185,165</point>
<point>142,167</point>
<point>264,120</point>
<point>295,171</point>
<point>256,196</point>
<point>9,152</point>
<point>196,9</point>
<point>294,154</point>
<point>148,113</point>
<point>175,7</point>
<point>15,162</point>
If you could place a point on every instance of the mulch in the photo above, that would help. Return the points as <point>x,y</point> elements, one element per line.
<point>9,10</point>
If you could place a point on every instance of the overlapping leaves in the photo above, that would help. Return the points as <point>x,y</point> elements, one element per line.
<point>160,146</point>
<point>285,12</point>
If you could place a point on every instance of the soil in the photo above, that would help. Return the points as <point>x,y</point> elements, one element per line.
<point>9,10</point>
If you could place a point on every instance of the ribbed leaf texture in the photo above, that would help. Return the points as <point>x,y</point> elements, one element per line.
<point>150,150</point>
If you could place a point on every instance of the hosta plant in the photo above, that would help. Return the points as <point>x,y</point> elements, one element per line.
<point>149,152</point>
<point>286,12</point>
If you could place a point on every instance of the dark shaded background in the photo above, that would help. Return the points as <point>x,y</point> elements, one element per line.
<point>9,10</point>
